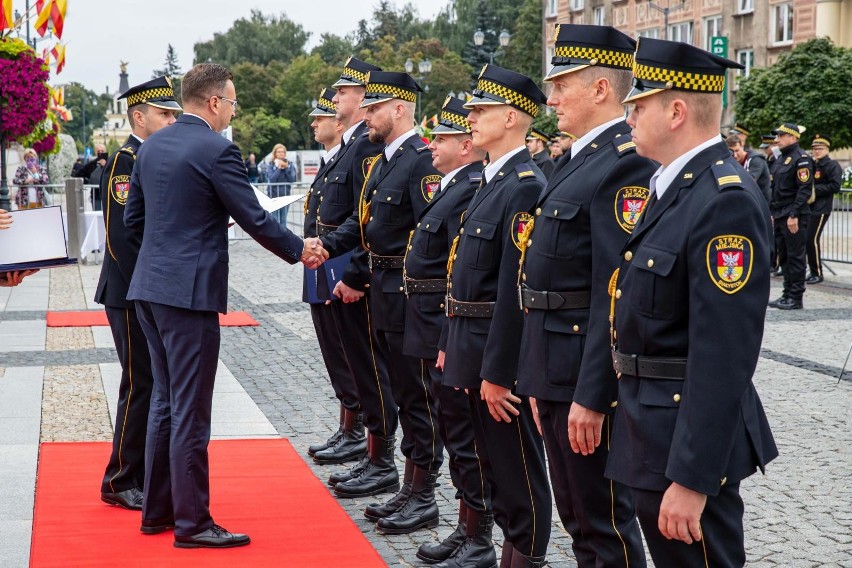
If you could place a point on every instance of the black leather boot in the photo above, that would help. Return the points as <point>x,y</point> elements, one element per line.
<point>419,511</point>
<point>352,472</point>
<point>379,476</point>
<point>477,551</point>
<point>376,511</point>
<point>432,553</point>
<point>314,448</point>
<point>506,555</point>
<point>352,445</point>
<point>521,561</point>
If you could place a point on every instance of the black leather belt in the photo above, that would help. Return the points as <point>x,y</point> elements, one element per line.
<point>535,300</point>
<point>469,309</point>
<point>379,261</point>
<point>671,368</point>
<point>782,203</point>
<point>425,286</point>
<point>323,229</point>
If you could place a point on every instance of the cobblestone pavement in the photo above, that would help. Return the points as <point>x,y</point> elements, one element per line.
<point>798,515</point>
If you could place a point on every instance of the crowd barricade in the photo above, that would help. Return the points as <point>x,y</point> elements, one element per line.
<point>837,236</point>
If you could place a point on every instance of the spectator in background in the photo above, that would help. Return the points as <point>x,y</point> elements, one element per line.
<point>262,171</point>
<point>91,173</point>
<point>828,177</point>
<point>555,149</point>
<point>252,169</point>
<point>31,178</point>
<point>752,161</point>
<point>280,175</point>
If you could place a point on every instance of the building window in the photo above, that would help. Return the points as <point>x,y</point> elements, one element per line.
<point>576,4</point>
<point>745,6</point>
<point>681,32</point>
<point>745,57</point>
<point>550,53</point>
<point>552,8</point>
<point>600,16</point>
<point>712,27</point>
<point>782,24</point>
<point>653,33</point>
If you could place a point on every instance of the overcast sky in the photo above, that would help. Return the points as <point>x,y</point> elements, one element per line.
<point>101,33</point>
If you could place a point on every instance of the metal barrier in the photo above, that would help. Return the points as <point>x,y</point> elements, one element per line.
<point>837,236</point>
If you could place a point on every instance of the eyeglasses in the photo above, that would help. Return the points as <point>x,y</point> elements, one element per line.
<point>233,102</point>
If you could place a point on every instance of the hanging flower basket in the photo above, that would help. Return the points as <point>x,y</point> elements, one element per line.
<point>23,90</point>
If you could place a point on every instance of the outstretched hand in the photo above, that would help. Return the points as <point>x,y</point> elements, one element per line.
<point>313,253</point>
<point>10,279</point>
<point>5,219</point>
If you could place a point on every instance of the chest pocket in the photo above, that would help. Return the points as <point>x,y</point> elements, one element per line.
<point>430,241</point>
<point>654,294</point>
<point>561,228</point>
<point>483,250</point>
<point>336,189</point>
<point>385,206</point>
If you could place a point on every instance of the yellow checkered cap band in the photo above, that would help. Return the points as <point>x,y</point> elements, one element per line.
<point>354,74</point>
<point>151,95</point>
<point>787,130</point>
<point>671,79</point>
<point>508,96</point>
<point>454,120</point>
<point>595,56</point>
<point>821,140</point>
<point>379,90</point>
<point>324,103</point>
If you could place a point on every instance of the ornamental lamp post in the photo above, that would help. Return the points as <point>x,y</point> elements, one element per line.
<point>503,39</point>
<point>424,67</point>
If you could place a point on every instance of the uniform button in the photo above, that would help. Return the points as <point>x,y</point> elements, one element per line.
<point>371,218</point>
<point>388,198</point>
<point>576,328</point>
<point>538,211</point>
<point>374,192</point>
<point>613,404</point>
<point>723,481</point>
<point>442,305</point>
<point>529,243</point>
<point>320,199</point>
<point>524,276</point>
<point>427,225</point>
<point>366,285</point>
<point>401,289</point>
<point>676,397</point>
<point>455,256</point>
<point>556,213</point>
<point>628,256</point>
<point>618,294</point>
<point>650,263</point>
<point>409,247</point>
<point>618,375</point>
<point>478,230</point>
<point>325,179</point>
<point>418,224</point>
<point>461,231</point>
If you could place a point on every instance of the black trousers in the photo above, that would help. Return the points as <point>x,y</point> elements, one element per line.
<point>126,466</point>
<point>454,426</point>
<point>368,366</point>
<point>721,545</point>
<point>794,268</point>
<point>410,383</point>
<point>512,456</point>
<point>184,346</point>
<point>779,251</point>
<point>816,224</point>
<point>334,356</point>
<point>597,512</point>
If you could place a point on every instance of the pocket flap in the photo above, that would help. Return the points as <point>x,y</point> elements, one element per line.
<point>654,260</point>
<point>560,209</point>
<point>430,224</point>
<point>480,229</point>
<point>662,392</point>
<point>338,177</point>
<point>389,195</point>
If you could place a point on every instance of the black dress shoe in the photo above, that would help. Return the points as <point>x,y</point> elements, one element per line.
<point>156,526</point>
<point>130,499</point>
<point>774,303</point>
<point>814,280</point>
<point>777,272</point>
<point>214,537</point>
<point>789,304</point>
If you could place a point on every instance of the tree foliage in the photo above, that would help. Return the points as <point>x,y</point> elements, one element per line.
<point>88,110</point>
<point>520,56</point>
<point>171,67</point>
<point>811,85</point>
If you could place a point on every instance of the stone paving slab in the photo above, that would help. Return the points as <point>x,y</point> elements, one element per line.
<point>22,336</point>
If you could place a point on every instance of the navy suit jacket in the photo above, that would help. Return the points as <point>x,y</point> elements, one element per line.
<point>186,182</point>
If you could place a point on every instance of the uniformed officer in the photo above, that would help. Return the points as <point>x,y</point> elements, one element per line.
<point>483,343</point>
<point>537,146</point>
<point>582,220</point>
<point>828,178</point>
<point>689,309</point>
<point>150,107</point>
<point>792,186</point>
<point>349,442</point>
<point>399,185</point>
<point>742,133</point>
<point>425,277</point>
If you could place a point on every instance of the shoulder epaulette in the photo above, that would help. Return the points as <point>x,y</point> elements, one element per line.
<point>475,177</point>
<point>524,171</point>
<point>726,175</point>
<point>128,150</point>
<point>624,147</point>
<point>421,148</point>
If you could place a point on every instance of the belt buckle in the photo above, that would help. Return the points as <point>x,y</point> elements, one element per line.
<point>370,261</point>
<point>521,297</point>
<point>405,285</point>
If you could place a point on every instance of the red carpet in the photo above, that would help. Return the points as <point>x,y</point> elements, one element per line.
<point>98,317</point>
<point>260,487</point>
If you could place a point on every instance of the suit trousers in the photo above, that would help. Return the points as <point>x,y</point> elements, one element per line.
<point>816,224</point>
<point>512,456</point>
<point>794,267</point>
<point>368,366</point>
<point>126,466</point>
<point>334,356</point>
<point>409,381</point>
<point>184,346</point>
<point>454,426</point>
<point>597,512</point>
<point>722,544</point>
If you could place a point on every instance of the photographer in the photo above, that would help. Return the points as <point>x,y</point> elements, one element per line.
<point>281,174</point>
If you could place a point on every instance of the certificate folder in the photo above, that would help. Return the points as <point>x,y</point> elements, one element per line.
<point>36,239</point>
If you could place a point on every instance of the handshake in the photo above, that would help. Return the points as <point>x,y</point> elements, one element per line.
<point>313,253</point>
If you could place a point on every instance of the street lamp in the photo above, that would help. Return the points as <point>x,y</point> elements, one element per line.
<point>666,11</point>
<point>479,39</point>
<point>424,67</point>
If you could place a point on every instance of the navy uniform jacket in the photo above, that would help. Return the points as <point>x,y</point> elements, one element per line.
<point>122,244</point>
<point>485,269</point>
<point>792,183</point>
<point>426,259</point>
<point>759,170</point>
<point>186,182</point>
<point>828,178</point>
<point>341,194</point>
<point>582,219</point>
<point>693,284</point>
<point>394,196</point>
<point>311,208</point>
<point>544,163</point>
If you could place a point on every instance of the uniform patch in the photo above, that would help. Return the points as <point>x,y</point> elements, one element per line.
<point>120,188</point>
<point>366,163</point>
<point>804,174</point>
<point>729,260</point>
<point>522,224</point>
<point>817,174</point>
<point>430,186</point>
<point>788,160</point>
<point>629,203</point>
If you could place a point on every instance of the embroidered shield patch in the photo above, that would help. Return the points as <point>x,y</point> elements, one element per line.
<point>430,186</point>
<point>629,203</point>
<point>817,174</point>
<point>522,224</point>
<point>804,174</point>
<point>366,163</point>
<point>120,188</point>
<point>729,261</point>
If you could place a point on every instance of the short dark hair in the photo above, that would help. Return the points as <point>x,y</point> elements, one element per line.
<point>203,81</point>
<point>141,107</point>
<point>733,140</point>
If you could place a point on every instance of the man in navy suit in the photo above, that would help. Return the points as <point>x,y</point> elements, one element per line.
<point>187,181</point>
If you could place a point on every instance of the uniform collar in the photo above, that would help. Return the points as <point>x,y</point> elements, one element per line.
<point>347,136</point>
<point>491,169</point>
<point>445,181</point>
<point>665,175</point>
<point>391,148</point>
<point>587,138</point>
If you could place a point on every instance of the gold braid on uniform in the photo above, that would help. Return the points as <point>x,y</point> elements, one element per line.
<point>308,200</point>
<point>405,256</point>
<point>613,281</point>
<point>363,204</point>
<point>524,240</point>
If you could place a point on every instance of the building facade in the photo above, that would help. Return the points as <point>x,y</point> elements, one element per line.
<point>116,127</point>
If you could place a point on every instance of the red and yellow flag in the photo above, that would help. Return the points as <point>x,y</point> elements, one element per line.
<point>51,14</point>
<point>57,14</point>
<point>43,19</point>
<point>6,14</point>
<point>59,53</point>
